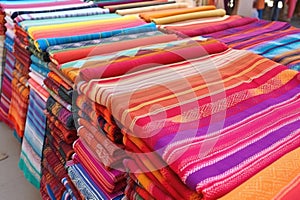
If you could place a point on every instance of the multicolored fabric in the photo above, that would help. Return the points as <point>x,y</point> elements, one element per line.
<point>43,44</point>
<point>27,25</point>
<point>284,50</point>
<point>187,111</point>
<point>33,140</point>
<point>68,136</point>
<point>113,8</point>
<point>61,113</point>
<point>65,95</point>
<point>152,174</point>
<point>270,181</point>
<point>6,89</point>
<point>63,56</point>
<point>110,180</point>
<point>18,9</point>
<point>275,40</point>
<point>72,69</point>
<point>54,172</point>
<point>134,191</point>
<point>108,158</point>
<point>175,52</point>
<point>69,193</point>
<point>19,102</point>
<point>85,184</point>
<point>61,14</point>
<point>102,41</point>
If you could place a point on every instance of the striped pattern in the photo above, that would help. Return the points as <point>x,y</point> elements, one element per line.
<point>275,40</point>
<point>205,120</point>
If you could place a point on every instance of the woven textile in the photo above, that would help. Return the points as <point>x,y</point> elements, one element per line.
<point>83,52</point>
<point>110,180</point>
<point>32,146</point>
<point>270,181</point>
<point>60,14</point>
<point>275,40</point>
<point>250,89</point>
<point>43,44</point>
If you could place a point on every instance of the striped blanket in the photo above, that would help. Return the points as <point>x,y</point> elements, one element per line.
<point>275,40</point>
<point>204,116</point>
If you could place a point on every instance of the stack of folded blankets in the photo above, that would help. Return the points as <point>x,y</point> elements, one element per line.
<point>95,120</point>
<point>105,183</point>
<point>189,126</point>
<point>49,46</point>
<point>278,41</point>
<point>39,123</point>
<point>100,141</point>
<point>7,63</point>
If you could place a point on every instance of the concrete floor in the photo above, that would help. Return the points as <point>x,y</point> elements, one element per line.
<point>13,185</point>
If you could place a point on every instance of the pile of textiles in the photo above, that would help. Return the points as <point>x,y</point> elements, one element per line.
<point>7,63</point>
<point>95,121</point>
<point>14,95</point>
<point>105,183</point>
<point>278,41</point>
<point>50,44</point>
<point>55,182</point>
<point>190,125</point>
<point>60,130</point>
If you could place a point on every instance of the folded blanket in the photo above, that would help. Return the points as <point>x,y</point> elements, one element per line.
<point>154,169</point>
<point>45,24</point>
<point>43,44</point>
<point>110,180</point>
<point>59,90</point>
<point>107,152</point>
<point>86,186</point>
<point>61,113</point>
<point>198,108</point>
<point>135,191</point>
<point>57,76</point>
<point>85,27</point>
<point>101,41</point>
<point>98,117</point>
<point>69,136</point>
<point>32,146</point>
<point>60,14</point>
<point>185,51</point>
<point>242,33</point>
<point>148,16</point>
<point>71,69</point>
<point>83,52</point>
<point>62,150</point>
<point>189,16</point>
<point>207,28</point>
<point>151,8</point>
<point>113,8</point>
<point>19,102</point>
